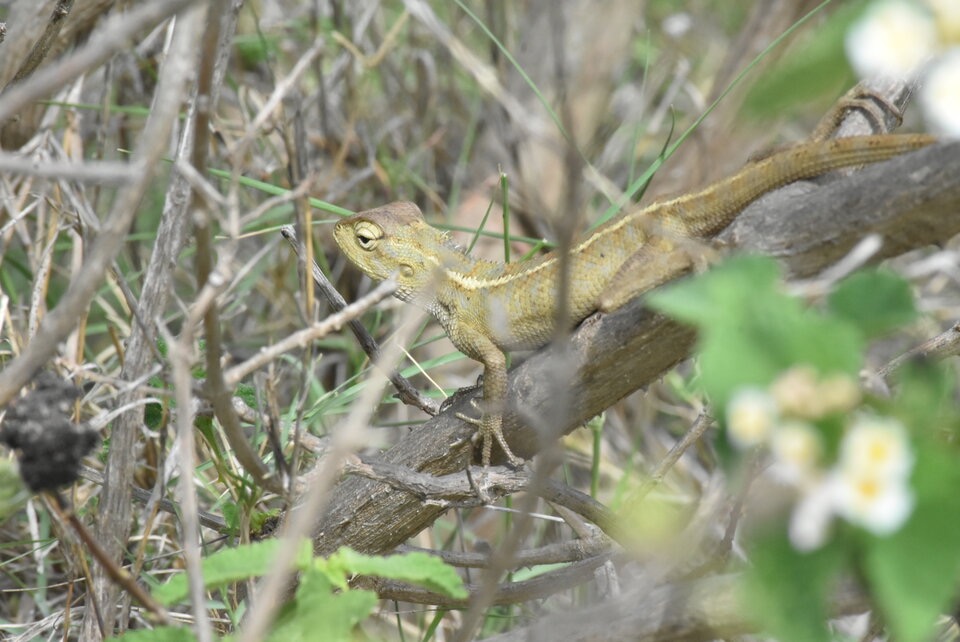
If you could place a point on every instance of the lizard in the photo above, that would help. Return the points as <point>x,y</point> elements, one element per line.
<point>489,308</point>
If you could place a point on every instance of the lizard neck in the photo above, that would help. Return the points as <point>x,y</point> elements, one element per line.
<point>455,271</point>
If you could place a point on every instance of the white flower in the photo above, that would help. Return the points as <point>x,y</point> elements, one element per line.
<point>876,446</point>
<point>947,14</point>
<point>892,39</point>
<point>940,94</point>
<point>872,476</point>
<point>877,503</point>
<point>796,447</point>
<point>751,417</point>
<point>812,516</point>
<point>868,487</point>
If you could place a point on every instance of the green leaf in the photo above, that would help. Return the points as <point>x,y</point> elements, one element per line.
<point>231,515</point>
<point>719,292</point>
<point>261,518</point>
<point>153,415</point>
<point>13,493</point>
<point>254,49</point>
<point>787,591</point>
<point>232,565</point>
<point>751,331</point>
<point>926,401</point>
<point>421,569</point>
<point>913,572</point>
<point>876,301</point>
<point>159,634</point>
<point>247,394</point>
<point>320,613</point>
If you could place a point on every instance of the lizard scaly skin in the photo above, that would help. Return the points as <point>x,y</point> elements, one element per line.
<point>487,308</point>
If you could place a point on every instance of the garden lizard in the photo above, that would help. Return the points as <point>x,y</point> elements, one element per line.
<point>487,308</point>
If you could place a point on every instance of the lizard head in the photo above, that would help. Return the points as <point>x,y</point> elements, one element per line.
<point>394,241</point>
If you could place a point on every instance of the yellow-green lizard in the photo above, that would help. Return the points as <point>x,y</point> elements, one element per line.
<point>487,308</point>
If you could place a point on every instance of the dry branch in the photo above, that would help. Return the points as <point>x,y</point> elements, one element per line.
<point>706,609</point>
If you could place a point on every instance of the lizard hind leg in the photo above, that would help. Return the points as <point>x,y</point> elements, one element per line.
<point>479,346</point>
<point>658,261</point>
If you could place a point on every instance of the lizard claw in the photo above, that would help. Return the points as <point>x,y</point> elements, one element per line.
<point>490,427</point>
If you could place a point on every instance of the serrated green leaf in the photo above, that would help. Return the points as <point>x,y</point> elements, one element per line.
<point>421,569</point>
<point>750,330</point>
<point>717,296</point>
<point>786,591</point>
<point>913,572</point>
<point>232,565</point>
<point>876,301</point>
<point>320,613</point>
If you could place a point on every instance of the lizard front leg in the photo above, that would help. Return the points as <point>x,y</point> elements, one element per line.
<point>490,423</point>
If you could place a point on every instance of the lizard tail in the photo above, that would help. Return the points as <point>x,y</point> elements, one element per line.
<point>711,209</point>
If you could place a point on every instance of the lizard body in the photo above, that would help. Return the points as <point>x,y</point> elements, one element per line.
<point>487,308</point>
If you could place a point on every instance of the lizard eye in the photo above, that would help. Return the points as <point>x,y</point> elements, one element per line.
<point>367,234</point>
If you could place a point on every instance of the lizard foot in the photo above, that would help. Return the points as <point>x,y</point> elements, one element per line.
<point>490,428</point>
<point>874,106</point>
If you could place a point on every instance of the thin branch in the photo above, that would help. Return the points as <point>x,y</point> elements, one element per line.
<point>98,172</point>
<point>181,353</point>
<point>42,47</point>
<point>112,36</point>
<point>692,436</point>
<point>119,575</point>
<point>284,87</point>
<point>407,391</point>
<point>459,489</point>
<point>208,520</point>
<point>559,553</point>
<point>946,344</point>
<point>116,505</point>
<point>540,587</point>
<point>302,338</point>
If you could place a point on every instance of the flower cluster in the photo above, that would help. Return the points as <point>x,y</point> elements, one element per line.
<point>906,39</point>
<point>867,484</point>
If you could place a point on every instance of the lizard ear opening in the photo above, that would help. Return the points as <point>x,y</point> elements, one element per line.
<point>367,234</point>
